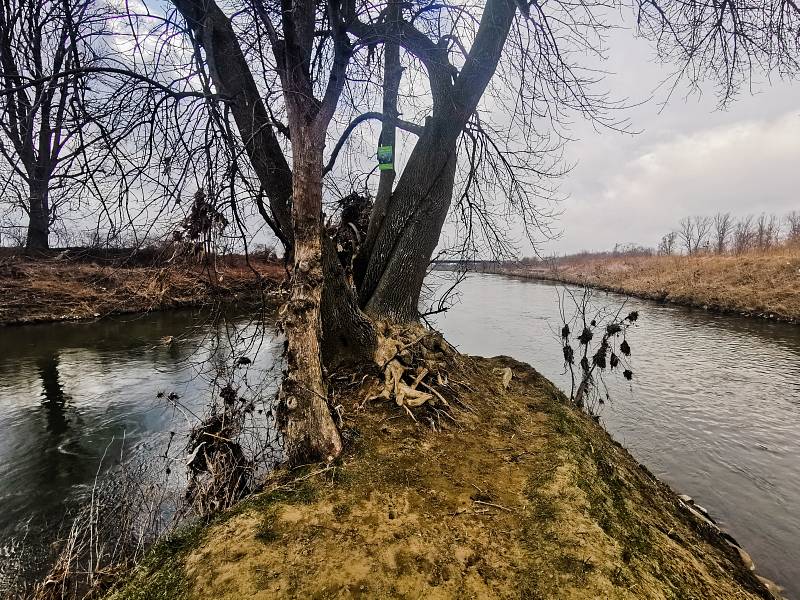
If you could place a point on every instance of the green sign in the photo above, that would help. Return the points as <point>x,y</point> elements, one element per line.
<point>386,158</point>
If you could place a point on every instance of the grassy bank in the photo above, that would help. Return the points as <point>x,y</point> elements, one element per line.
<point>765,284</point>
<point>82,286</point>
<point>521,497</point>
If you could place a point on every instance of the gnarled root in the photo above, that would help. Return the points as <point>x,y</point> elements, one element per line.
<point>412,358</point>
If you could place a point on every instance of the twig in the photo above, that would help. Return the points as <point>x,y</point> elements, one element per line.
<point>493,505</point>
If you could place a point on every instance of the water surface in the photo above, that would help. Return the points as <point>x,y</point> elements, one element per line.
<point>76,399</point>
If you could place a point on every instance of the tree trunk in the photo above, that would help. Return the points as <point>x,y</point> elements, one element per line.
<point>348,336</point>
<point>392,76</point>
<point>39,218</point>
<point>309,431</point>
<point>410,231</point>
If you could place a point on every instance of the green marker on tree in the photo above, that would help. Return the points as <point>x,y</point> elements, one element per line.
<point>386,158</point>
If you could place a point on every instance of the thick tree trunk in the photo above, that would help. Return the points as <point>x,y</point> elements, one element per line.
<point>348,336</point>
<point>39,218</point>
<point>410,231</point>
<point>309,431</point>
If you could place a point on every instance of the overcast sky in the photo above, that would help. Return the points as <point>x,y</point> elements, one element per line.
<point>690,158</point>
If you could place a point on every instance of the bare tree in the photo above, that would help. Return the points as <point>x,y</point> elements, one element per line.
<point>702,231</point>
<point>723,225</point>
<point>694,233</point>
<point>46,51</point>
<point>279,81</point>
<point>666,247</point>
<point>743,235</point>
<point>686,234</point>
<point>319,47</point>
<point>792,220</point>
<point>767,230</point>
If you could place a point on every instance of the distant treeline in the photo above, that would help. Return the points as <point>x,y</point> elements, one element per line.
<point>721,233</point>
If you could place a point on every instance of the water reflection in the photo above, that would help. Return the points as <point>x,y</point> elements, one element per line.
<point>76,398</point>
<point>53,397</point>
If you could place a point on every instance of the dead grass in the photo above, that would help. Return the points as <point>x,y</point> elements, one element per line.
<point>51,289</point>
<point>525,498</point>
<point>764,284</point>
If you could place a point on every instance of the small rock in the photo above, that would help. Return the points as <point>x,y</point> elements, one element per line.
<point>772,587</point>
<point>704,512</point>
<point>685,498</point>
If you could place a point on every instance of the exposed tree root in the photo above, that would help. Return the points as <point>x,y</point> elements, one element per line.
<point>413,361</point>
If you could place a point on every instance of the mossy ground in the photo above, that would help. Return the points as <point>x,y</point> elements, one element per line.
<point>522,498</point>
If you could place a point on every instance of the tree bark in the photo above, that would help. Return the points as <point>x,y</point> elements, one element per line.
<point>233,79</point>
<point>39,218</point>
<point>415,213</point>
<point>309,431</point>
<point>348,335</point>
<point>410,231</point>
<point>392,76</point>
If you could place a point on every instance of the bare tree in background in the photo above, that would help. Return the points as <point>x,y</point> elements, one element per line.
<point>666,247</point>
<point>793,226</point>
<point>723,225</point>
<point>686,233</point>
<point>694,233</point>
<point>743,235</point>
<point>702,233</point>
<point>46,54</point>
<point>767,230</point>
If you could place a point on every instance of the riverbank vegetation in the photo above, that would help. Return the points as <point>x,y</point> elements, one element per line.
<point>519,495</point>
<point>90,284</point>
<point>750,269</point>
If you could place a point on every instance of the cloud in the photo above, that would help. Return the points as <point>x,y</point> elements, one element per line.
<point>744,167</point>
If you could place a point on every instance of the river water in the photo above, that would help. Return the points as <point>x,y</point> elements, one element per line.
<point>714,409</point>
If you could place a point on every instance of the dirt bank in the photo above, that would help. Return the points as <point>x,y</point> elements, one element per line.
<point>71,287</point>
<point>765,285</point>
<point>521,497</point>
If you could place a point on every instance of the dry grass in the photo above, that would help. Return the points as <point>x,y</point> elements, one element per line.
<point>524,498</point>
<point>51,289</point>
<point>764,284</point>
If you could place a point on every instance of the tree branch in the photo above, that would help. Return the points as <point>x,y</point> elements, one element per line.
<point>404,125</point>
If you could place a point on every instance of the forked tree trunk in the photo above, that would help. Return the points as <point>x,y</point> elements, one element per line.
<point>348,335</point>
<point>309,431</point>
<point>410,231</point>
<point>39,218</point>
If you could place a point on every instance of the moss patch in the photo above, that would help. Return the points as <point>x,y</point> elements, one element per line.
<point>522,498</point>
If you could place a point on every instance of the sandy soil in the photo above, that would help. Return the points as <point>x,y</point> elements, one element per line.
<point>521,497</point>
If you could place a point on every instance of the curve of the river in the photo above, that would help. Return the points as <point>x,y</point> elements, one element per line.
<point>714,408</point>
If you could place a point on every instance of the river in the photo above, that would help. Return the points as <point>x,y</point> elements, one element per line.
<point>713,410</point>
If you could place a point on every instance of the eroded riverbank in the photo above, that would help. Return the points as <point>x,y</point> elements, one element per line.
<point>71,288</point>
<point>521,496</point>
